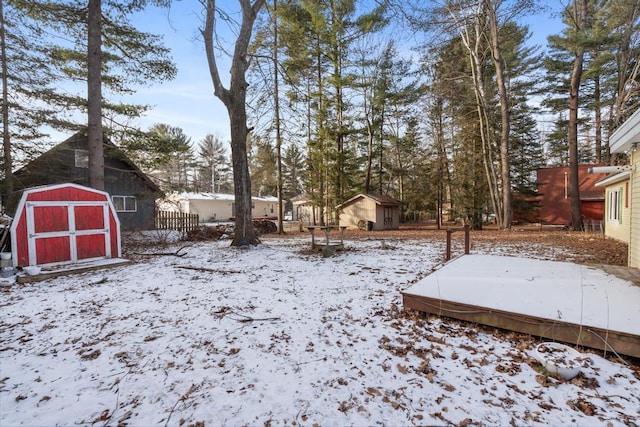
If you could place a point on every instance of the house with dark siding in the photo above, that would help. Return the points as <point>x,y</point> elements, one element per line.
<point>132,192</point>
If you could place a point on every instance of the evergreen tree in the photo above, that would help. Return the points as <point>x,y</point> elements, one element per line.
<point>214,167</point>
<point>173,157</point>
<point>293,183</point>
<point>27,85</point>
<point>263,168</point>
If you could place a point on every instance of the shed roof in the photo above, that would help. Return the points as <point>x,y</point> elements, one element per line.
<point>379,199</point>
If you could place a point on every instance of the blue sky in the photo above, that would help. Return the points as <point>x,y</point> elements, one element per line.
<point>188,101</point>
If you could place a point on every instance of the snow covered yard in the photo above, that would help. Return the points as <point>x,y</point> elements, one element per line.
<point>276,335</point>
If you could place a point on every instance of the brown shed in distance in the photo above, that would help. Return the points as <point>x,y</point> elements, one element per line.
<point>370,211</point>
<point>553,192</point>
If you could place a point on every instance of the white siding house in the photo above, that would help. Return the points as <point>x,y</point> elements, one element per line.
<point>216,206</point>
<point>617,210</point>
<point>626,139</point>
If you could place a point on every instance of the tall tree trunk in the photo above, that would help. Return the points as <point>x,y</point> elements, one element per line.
<point>505,117</point>
<point>574,91</point>
<point>474,47</point>
<point>234,99</point>
<point>598,118</point>
<point>276,105</point>
<point>94,95</point>
<point>6,138</point>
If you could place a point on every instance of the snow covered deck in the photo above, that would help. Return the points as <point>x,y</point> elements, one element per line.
<point>561,301</point>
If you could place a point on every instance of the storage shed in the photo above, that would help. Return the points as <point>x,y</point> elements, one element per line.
<point>64,224</point>
<point>375,212</point>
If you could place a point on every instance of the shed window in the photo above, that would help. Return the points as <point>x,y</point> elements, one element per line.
<point>125,203</point>
<point>82,158</point>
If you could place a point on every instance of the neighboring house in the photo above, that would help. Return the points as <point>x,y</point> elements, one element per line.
<point>626,139</point>
<point>305,210</point>
<point>617,212</point>
<point>372,211</point>
<point>216,206</point>
<point>132,192</point>
<point>553,193</point>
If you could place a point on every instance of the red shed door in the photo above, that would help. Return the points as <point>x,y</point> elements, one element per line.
<point>60,232</point>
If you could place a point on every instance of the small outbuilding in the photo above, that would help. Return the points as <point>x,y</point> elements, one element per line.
<point>370,211</point>
<point>64,224</point>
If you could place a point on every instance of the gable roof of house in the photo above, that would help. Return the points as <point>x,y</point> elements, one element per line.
<point>379,199</point>
<point>81,139</point>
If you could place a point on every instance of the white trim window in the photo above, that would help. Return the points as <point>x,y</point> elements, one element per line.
<point>125,203</point>
<point>615,202</point>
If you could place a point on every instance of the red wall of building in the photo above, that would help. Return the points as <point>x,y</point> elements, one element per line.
<point>553,191</point>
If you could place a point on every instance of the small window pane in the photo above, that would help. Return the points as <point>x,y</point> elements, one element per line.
<point>82,158</point>
<point>125,203</point>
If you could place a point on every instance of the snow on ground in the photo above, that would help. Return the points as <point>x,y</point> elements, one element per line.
<point>275,335</point>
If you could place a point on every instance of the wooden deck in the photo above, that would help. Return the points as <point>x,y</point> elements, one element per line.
<point>83,267</point>
<point>580,305</point>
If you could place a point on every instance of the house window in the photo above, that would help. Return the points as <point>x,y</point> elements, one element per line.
<point>615,199</point>
<point>125,203</point>
<point>82,158</point>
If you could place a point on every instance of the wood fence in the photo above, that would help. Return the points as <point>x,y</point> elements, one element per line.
<point>176,221</point>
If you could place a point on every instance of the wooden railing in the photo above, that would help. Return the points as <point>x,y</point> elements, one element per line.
<point>176,221</point>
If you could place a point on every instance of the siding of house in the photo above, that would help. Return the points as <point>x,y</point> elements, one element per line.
<point>264,208</point>
<point>618,229</point>
<point>216,207</point>
<point>634,244</point>
<point>210,210</point>
<point>555,206</point>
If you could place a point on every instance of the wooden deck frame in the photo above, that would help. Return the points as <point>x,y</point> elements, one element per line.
<point>557,330</point>
<point>75,269</point>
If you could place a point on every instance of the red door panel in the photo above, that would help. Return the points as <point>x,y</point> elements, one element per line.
<point>50,218</point>
<point>89,217</point>
<point>91,246</point>
<point>53,249</point>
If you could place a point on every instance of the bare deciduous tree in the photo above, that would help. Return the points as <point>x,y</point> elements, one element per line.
<point>234,98</point>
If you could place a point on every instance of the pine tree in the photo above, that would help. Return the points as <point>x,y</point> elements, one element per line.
<point>214,169</point>
<point>173,157</point>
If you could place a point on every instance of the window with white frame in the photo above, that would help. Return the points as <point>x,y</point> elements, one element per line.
<point>125,203</point>
<point>614,202</point>
<point>82,158</point>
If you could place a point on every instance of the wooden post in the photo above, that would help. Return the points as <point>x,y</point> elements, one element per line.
<point>466,239</point>
<point>447,256</point>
